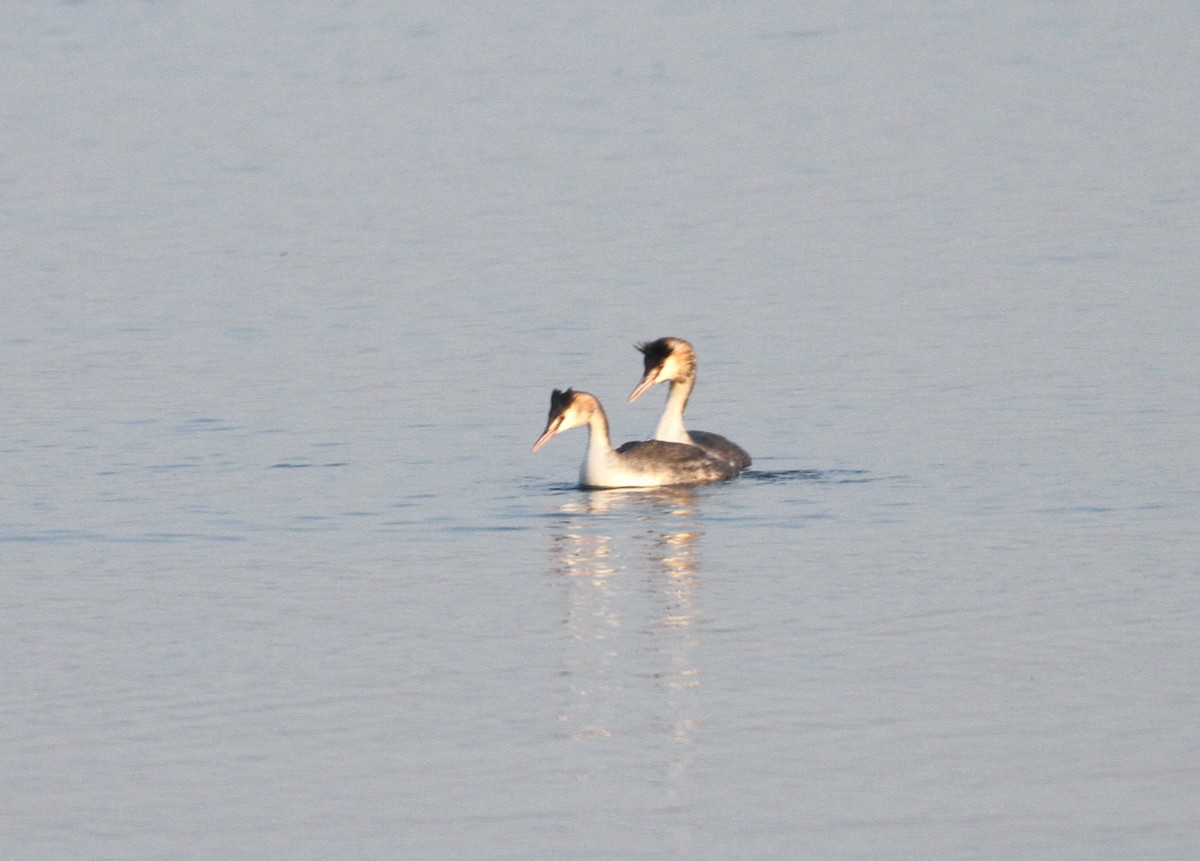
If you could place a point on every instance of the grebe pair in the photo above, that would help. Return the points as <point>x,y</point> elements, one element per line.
<point>674,456</point>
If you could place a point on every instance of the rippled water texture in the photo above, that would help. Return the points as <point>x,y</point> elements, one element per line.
<point>287,288</point>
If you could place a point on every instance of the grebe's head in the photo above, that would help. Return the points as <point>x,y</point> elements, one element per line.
<point>665,359</point>
<point>568,409</point>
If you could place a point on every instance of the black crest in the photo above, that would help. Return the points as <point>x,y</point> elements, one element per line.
<point>560,400</point>
<point>655,352</point>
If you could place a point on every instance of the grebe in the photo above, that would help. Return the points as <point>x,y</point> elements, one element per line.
<point>674,359</point>
<point>646,463</point>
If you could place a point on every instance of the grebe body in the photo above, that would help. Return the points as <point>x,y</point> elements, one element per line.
<point>645,463</point>
<point>673,360</point>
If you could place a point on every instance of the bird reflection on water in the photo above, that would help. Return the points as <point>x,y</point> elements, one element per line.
<point>628,564</point>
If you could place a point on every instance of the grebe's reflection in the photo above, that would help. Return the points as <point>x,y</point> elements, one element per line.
<point>628,562</point>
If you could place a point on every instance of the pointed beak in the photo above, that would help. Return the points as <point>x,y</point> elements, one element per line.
<point>647,381</point>
<point>551,430</point>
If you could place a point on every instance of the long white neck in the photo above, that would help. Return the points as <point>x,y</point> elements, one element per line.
<point>598,460</point>
<point>599,441</point>
<point>670,425</point>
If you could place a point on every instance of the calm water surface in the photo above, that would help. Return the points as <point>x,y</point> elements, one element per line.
<point>286,295</point>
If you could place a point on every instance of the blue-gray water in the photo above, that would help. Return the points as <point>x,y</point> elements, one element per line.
<point>285,292</point>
